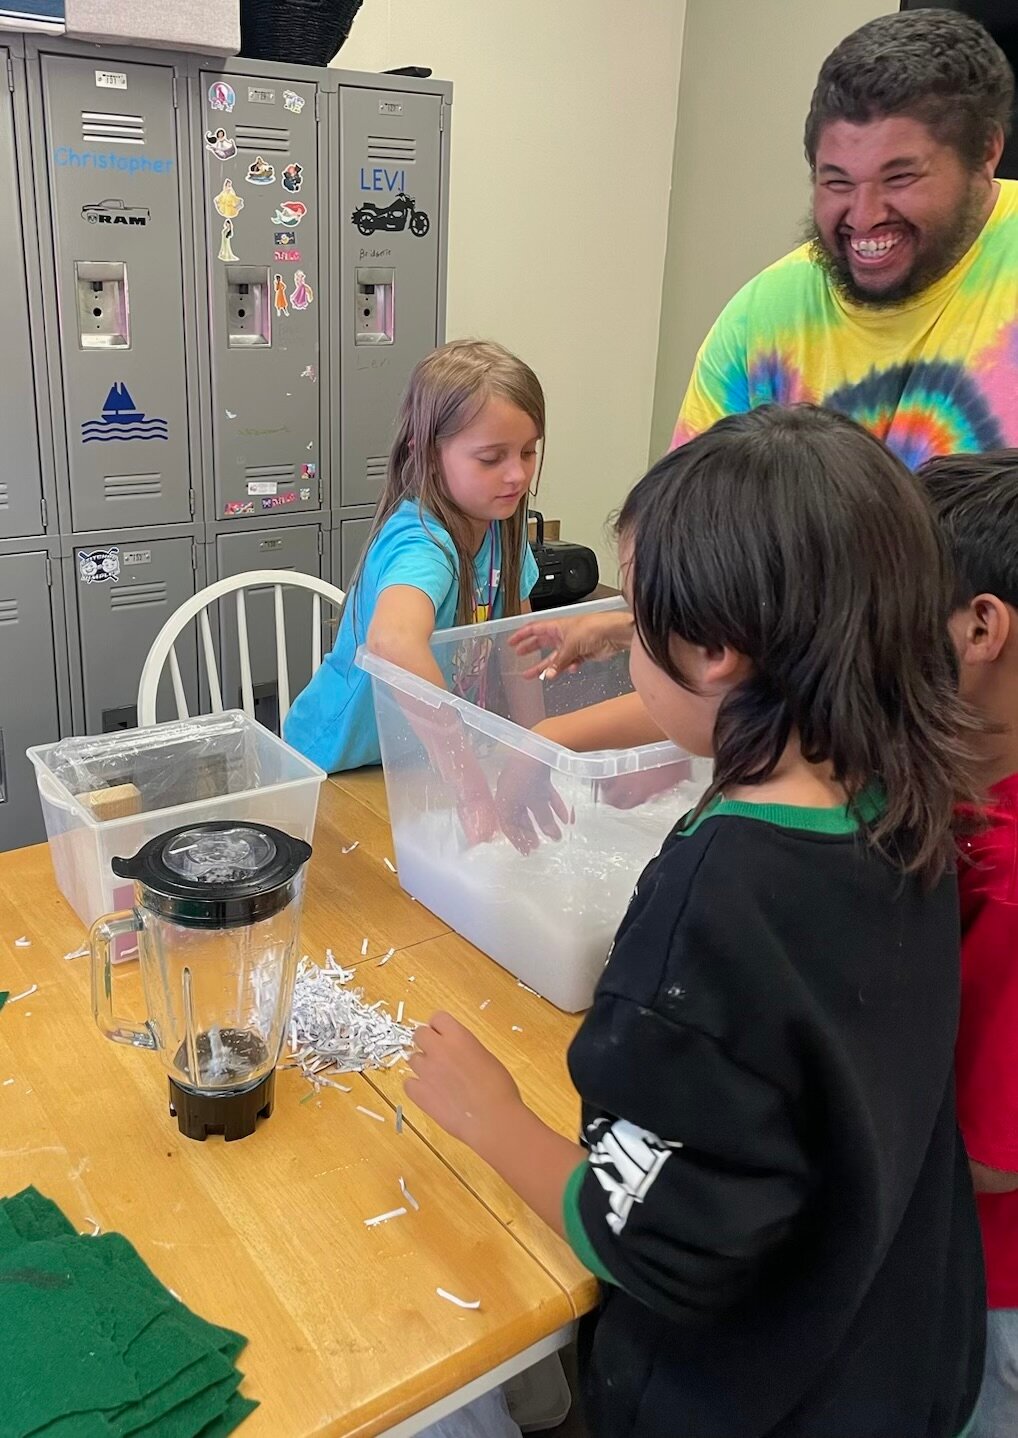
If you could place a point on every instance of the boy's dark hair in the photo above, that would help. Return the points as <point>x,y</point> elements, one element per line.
<point>975,500</point>
<point>793,537</point>
<point>936,66</point>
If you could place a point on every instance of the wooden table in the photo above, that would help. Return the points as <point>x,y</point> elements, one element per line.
<point>347,1335</point>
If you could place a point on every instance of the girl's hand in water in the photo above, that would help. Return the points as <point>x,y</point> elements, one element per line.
<point>528,805</point>
<point>572,642</point>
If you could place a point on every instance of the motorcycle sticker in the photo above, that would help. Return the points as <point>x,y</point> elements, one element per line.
<point>290,213</point>
<point>293,102</point>
<point>228,202</point>
<point>238,507</point>
<point>293,177</point>
<point>222,97</point>
<point>219,143</point>
<point>99,566</point>
<point>279,295</point>
<point>260,172</point>
<point>225,247</point>
<point>302,294</point>
<point>402,214</point>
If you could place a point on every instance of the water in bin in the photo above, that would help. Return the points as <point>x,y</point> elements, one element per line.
<point>216,913</point>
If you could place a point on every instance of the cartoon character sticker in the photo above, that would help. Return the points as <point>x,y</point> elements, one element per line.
<point>225,247</point>
<point>237,507</point>
<point>308,471</point>
<point>293,177</point>
<point>260,172</point>
<point>309,372</point>
<point>219,143</point>
<point>279,295</point>
<point>302,294</point>
<point>99,566</point>
<point>282,239</point>
<point>305,495</point>
<point>222,97</point>
<point>290,213</point>
<point>278,501</point>
<point>228,202</point>
<point>293,102</point>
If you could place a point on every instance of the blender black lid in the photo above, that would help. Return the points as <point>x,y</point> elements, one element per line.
<point>219,874</point>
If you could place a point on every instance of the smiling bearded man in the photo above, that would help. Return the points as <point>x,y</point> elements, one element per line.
<point>901,309</point>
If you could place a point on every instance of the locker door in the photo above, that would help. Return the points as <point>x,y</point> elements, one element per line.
<point>390,146</point>
<point>123,601</point>
<point>262,214</point>
<point>295,549</point>
<point>114,190</point>
<point>20,478</point>
<point>28,704</point>
<point>348,542</point>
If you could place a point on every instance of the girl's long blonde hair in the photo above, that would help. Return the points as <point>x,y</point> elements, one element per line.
<point>447,391</point>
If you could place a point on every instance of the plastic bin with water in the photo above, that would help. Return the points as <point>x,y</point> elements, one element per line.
<point>549,917</point>
<point>215,766</point>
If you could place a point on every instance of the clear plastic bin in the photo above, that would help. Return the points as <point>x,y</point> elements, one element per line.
<point>106,796</point>
<point>549,916</point>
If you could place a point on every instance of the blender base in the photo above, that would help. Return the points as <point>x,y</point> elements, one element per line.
<point>233,1115</point>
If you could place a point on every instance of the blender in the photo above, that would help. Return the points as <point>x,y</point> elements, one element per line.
<point>216,912</point>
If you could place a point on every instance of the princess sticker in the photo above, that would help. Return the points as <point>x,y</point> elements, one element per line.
<point>279,289</point>
<point>260,172</point>
<point>293,177</point>
<point>228,202</point>
<point>302,294</point>
<point>226,248</point>
<point>218,143</point>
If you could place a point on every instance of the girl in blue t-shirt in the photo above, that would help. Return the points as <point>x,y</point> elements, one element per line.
<point>448,543</point>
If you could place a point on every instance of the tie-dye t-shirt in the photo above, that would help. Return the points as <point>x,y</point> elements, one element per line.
<point>937,375</point>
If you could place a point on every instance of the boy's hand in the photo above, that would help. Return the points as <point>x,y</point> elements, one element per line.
<point>528,804</point>
<point>460,1084</point>
<point>572,641</point>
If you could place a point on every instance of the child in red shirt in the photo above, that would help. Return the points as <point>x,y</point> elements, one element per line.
<point>976,501</point>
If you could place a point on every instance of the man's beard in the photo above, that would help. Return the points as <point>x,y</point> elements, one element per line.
<point>942,250</point>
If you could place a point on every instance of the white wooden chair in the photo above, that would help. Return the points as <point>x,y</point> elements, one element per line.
<point>163,647</point>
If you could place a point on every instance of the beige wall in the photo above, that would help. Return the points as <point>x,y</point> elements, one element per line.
<point>739,180</point>
<point>563,124</point>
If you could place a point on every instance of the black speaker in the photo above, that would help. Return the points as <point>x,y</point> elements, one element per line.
<point>567,573</point>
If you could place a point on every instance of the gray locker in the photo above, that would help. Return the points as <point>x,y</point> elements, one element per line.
<point>390,145</point>
<point>348,543</point>
<point>297,547</point>
<point>30,638</point>
<point>267,292</point>
<point>124,591</point>
<point>113,168</point>
<point>21,509</point>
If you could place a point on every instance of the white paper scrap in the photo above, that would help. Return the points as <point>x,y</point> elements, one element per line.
<point>459,1302</point>
<point>408,1195</point>
<point>390,866</point>
<point>384,1217</point>
<point>370,1113</point>
<point>23,943</point>
<point>15,997</point>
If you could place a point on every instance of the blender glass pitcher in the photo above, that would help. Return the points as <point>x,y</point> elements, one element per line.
<point>216,912</point>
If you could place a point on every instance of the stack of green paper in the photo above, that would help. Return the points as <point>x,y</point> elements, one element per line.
<point>95,1347</point>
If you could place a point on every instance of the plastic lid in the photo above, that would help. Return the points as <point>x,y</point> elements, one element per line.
<point>222,874</point>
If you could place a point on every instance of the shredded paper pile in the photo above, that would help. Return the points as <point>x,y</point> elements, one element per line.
<point>332,1027</point>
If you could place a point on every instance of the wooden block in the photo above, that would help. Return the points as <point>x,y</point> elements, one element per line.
<point>114,803</point>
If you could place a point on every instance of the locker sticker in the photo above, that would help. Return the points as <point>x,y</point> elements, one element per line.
<point>309,372</point>
<point>226,246</point>
<point>122,420</point>
<point>237,507</point>
<point>278,501</point>
<point>305,495</point>
<point>293,177</point>
<point>290,213</point>
<point>302,294</point>
<point>228,202</point>
<point>260,172</point>
<point>293,102</point>
<point>283,257</point>
<point>308,471</point>
<point>220,144</point>
<point>111,79</point>
<point>99,566</point>
<point>115,212</point>
<point>279,295</point>
<point>392,219</point>
<point>262,486</point>
<point>222,97</point>
<point>284,238</point>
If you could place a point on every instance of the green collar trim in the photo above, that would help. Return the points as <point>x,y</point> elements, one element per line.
<point>838,821</point>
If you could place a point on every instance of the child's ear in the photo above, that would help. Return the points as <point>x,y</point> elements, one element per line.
<point>722,668</point>
<point>981,631</point>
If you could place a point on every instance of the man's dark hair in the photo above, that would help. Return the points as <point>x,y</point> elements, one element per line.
<point>975,500</point>
<point>935,66</point>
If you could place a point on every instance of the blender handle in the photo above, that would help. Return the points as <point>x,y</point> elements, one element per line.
<point>100,940</point>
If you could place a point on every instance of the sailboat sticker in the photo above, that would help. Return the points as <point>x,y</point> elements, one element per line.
<point>121,419</point>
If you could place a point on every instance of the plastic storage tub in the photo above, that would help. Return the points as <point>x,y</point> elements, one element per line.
<point>549,916</point>
<point>108,795</point>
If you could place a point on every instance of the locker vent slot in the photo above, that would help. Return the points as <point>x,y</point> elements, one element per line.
<point>262,138</point>
<point>139,596</point>
<point>8,611</point>
<point>132,486</point>
<point>118,129</point>
<point>376,467</point>
<point>401,151</point>
<point>5,496</point>
<point>281,473</point>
